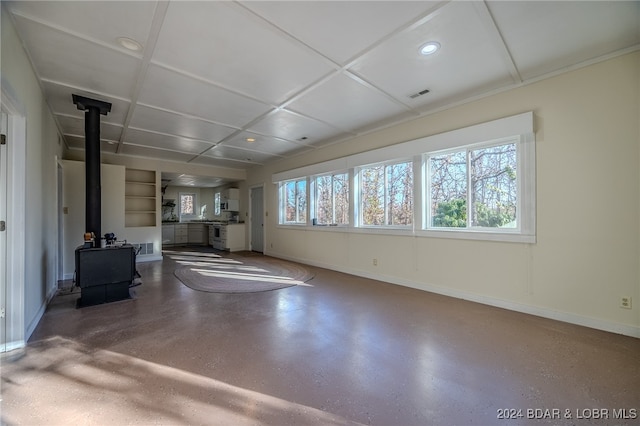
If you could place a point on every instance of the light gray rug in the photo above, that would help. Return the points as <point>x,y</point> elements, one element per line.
<point>242,274</point>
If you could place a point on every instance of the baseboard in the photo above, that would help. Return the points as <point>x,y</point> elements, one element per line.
<point>598,324</point>
<point>38,316</point>
<point>142,259</point>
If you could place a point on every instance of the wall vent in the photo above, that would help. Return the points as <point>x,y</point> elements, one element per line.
<point>145,248</point>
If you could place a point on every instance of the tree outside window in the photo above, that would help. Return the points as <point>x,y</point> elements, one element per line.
<point>474,188</point>
<point>187,204</point>
<point>332,199</point>
<point>387,194</point>
<point>294,198</point>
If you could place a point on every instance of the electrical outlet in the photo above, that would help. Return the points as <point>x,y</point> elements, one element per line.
<point>375,262</point>
<point>625,302</point>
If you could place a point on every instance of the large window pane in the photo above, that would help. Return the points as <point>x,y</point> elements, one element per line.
<point>290,201</point>
<point>494,188</point>
<point>448,190</point>
<point>301,201</point>
<point>324,196</point>
<point>341,199</point>
<point>387,195</point>
<point>293,201</point>
<point>400,194</point>
<point>372,187</point>
<point>332,199</point>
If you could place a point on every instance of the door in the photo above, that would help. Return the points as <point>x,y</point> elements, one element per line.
<point>257,219</point>
<point>3,234</point>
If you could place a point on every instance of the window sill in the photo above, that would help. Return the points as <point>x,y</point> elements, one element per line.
<point>510,237</point>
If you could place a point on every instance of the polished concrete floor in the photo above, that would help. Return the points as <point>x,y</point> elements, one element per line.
<point>338,350</point>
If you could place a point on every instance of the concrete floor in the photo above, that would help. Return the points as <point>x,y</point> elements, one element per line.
<point>339,350</point>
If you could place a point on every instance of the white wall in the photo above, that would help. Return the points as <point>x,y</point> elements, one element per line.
<point>42,147</point>
<point>587,253</point>
<point>112,183</point>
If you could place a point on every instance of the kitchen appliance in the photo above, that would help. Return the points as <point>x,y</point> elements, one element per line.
<point>216,230</point>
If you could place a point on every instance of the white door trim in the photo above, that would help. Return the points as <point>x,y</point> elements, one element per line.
<point>16,207</point>
<point>251,219</point>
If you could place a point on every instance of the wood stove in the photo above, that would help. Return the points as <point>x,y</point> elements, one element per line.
<point>104,274</point>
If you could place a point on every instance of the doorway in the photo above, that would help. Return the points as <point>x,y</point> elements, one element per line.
<point>257,219</point>
<point>12,214</point>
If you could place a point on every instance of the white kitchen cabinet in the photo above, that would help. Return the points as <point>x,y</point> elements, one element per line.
<point>196,233</point>
<point>181,235</point>
<point>168,234</point>
<point>233,237</point>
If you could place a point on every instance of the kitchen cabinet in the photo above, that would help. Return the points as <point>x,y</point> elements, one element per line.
<point>181,234</point>
<point>231,194</point>
<point>230,200</point>
<point>196,233</point>
<point>168,234</point>
<point>233,237</point>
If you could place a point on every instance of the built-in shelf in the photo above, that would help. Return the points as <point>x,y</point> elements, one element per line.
<point>140,198</point>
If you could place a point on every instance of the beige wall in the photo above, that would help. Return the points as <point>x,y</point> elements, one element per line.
<point>42,147</point>
<point>588,207</point>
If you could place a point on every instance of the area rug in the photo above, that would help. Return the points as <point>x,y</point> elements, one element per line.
<point>241,274</point>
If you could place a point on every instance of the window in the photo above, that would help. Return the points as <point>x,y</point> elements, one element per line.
<point>187,204</point>
<point>331,195</point>
<point>386,194</point>
<point>476,187</point>
<point>477,182</point>
<point>216,204</point>
<point>293,198</point>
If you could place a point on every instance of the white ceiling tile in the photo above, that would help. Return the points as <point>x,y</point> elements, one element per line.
<point>61,101</point>
<point>76,142</point>
<point>266,144</point>
<point>343,102</point>
<point>181,179</point>
<point>221,71</point>
<point>148,152</point>
<point>468,61</point>
<point>160,140</point>
<point>222,162</point>
<point>223,151</point>
<point>340,29</point>
<point>101,20</point>
<point>547,36</point>
<point>66,59</point>
<point>294,127</point>
<point>149,118</point>
<point>170,90</point>
<point>227,44</point>
<point>75,126</point>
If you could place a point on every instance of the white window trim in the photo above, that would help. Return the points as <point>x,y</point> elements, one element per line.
<point>358,202</point>
<point>282,200</point>
<point>195,206</point>
<point>521,125</point>
<point>216,204</point>
<point>313,199</point>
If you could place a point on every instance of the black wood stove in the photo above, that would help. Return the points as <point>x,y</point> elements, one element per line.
<point>104,274</point>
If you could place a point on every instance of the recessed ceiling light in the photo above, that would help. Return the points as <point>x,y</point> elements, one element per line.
<point>129,43</point>
<point>429,48</point>
<point>251,139</point>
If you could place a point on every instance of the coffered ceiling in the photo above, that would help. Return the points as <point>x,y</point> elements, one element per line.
<point>210,76</point>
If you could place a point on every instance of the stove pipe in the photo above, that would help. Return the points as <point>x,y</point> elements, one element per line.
<point>93,207</point>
